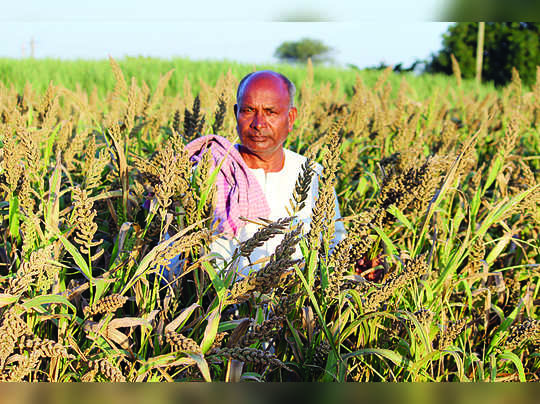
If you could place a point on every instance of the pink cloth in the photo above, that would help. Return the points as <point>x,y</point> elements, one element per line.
<point>238,191</point>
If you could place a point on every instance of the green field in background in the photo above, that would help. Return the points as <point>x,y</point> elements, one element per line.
<point>89,73</point>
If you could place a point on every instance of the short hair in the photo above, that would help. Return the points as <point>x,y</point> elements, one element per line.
<point>291,89</point>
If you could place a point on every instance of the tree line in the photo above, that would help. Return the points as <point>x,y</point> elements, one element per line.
<point>507,45</point>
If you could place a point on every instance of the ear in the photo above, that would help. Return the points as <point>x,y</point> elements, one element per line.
<point>293,112</point>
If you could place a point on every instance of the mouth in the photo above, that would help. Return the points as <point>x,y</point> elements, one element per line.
<point>258,139</point>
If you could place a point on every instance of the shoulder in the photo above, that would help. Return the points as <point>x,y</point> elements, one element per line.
<point>295,161</point>
<point>293,157</point>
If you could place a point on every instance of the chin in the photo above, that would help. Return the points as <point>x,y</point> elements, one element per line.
<point>257,147</point>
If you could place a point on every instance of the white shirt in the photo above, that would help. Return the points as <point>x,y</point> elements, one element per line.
<point>278,188</point>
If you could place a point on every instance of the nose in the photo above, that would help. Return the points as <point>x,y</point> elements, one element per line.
<point>259,121</point>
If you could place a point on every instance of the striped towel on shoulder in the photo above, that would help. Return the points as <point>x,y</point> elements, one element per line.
<point>238,191</point>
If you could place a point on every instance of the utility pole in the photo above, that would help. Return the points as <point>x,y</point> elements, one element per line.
<point>480,51</point>
<point>32,47</point>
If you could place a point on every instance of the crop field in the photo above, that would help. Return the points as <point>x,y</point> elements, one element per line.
<point>438,184</point>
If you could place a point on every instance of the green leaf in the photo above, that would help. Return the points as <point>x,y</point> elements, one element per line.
<point>313,259</point>
<point>501,209</point>
<point>30,116</point>
<point>498,249</point>
<point>202,364</point>
<point>14,218</point>
<point>447,183</point>
<point>52,211</point>
<point>209,183</point>
<point>395,357</point>
<point>77,257</point>
<point>517,362</point>
<point>182,318</point>
<point>216,280</point>
<point>493,172</point>
<point>499,334</point>
<point>50,143</point>
<point>6,298</point>
<point>146,263</point>
<point>398,214</point>
<point>315,304</point>
<point>44,300</point>
<point>211,329</point>
<point>386,240</point>
<point>330,374</point>
<point>101,287</point>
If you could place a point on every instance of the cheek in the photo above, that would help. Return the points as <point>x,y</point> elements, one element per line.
<point>242,123</point>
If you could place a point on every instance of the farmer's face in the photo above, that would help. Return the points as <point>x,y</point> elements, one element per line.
<point>263,116</point>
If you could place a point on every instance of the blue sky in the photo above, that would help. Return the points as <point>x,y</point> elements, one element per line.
<point>362,33</point>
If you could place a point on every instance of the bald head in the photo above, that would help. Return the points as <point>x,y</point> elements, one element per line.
<point>266,75</point>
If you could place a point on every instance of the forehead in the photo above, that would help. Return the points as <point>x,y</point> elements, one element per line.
<point>265,88</point>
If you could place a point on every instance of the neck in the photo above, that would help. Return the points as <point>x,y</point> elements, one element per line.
<point>270,164</point>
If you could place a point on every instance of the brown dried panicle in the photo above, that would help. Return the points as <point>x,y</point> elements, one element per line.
<point>74,149</point>
<point>456,70</point>
<point>301,187</point>
<point>26,364</point>
<point>179,342</point>
<point>264,234</point>
<point>194,121</point>
<point>450,333</point>
<point>83,219</point>
<point>261,332</point>
<point>424,316</point>
<point>359,233</point>
<point>167,179</point>
<point>219,115</point>
<point>107,369</point>
<point>11,329</point>
<point>268,277</point>
<point>133,105</point>
<point>424,188</point>
<point>63,136</point>
<point>26,194</point>
<point>183,244</point>
<point>32,153</point>
<point>11,165</point>
<point>21,282</point>
<point>522,332</point>
<point>41,262</point>
<point>107,304</point>
<point>45,347</point>
<point>412,270</point>
<point>251,355</point>
<point>202,182</point>
<point>94,165</point>
<point>148,168</point>
<point>29,231</point>
<point>286,304</point>
<point>320,356</point>
<point>340,261</point>
<point>477,253</point>
<point>322,218</point>
<point>174,174</point>
<point>218,341</point>
<point>120,88</point>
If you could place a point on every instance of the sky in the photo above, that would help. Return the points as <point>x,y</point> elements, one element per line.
<point>363,33</point>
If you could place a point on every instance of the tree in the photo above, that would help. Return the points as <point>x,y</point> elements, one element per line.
<point>301,51</point>
<point>506,45</point>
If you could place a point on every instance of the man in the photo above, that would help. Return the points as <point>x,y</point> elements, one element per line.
<point>265,114</point>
